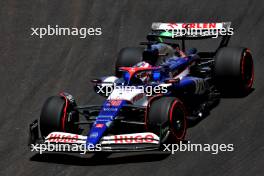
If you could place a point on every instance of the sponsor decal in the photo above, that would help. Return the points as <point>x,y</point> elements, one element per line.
<point>193,25</point>
<point>199,25</point>
<point>110,109</point>
<point>172,25</point>
<point>114,103</point>
<point>128,139</point>
<point>93,135</point>
<point>200,86</point>
<point>164,131</point>
<point>99,125</point>
<point>64,138</point>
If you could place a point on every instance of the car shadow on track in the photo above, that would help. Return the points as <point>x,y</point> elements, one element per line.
<point>193,122</point>
<point>237,95</point>
<point>69,159</point>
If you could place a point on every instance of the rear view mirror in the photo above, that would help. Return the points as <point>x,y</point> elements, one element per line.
<point>96,81</point>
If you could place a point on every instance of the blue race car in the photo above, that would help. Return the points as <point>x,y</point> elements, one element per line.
<point>155,94</point>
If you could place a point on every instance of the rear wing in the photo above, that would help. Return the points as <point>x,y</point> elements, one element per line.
<point>192,30</point>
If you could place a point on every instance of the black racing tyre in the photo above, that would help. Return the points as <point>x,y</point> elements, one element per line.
<point>55,116</point>
<point>167,112</point>
<point>128,57</point>
<point>234,70</point>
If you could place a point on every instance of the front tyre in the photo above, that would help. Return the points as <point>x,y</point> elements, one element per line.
<point>57,114</point>
<point>167,114</point>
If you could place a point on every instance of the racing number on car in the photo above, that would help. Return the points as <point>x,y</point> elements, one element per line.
<point>200,86</point>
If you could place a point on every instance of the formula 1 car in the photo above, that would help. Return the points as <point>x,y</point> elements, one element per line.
<point>153,96</point>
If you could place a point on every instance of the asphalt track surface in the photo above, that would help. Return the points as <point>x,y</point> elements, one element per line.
<point>31,69</point>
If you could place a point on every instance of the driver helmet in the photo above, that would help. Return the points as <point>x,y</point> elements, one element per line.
<point>144,75</point>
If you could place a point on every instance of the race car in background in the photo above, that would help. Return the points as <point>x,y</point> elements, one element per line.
<point>134,120</point>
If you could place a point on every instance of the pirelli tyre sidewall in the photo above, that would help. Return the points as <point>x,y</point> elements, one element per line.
<point>167,112</point>
<point>234,70</point>
<point>57,115</point>
<point>128,57</point>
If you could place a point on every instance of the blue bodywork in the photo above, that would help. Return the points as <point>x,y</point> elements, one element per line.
<point>109,112</point>
<point>103,121</point>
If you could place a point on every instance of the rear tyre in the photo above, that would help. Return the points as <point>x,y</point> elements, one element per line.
<point>234,70</point>
<point>128,57</point>
<point>167,113</point>
<point>57,115</point>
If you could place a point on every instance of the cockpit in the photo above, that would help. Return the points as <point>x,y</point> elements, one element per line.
<point>141,74</point>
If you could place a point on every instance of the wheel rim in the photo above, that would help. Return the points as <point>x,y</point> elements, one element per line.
<point>247,69</point>
<point>177,120</point>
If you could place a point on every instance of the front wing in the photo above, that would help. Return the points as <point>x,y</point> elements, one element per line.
<point>72,143</point>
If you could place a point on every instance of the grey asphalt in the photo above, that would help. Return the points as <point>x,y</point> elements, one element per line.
<point>31,69</point>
